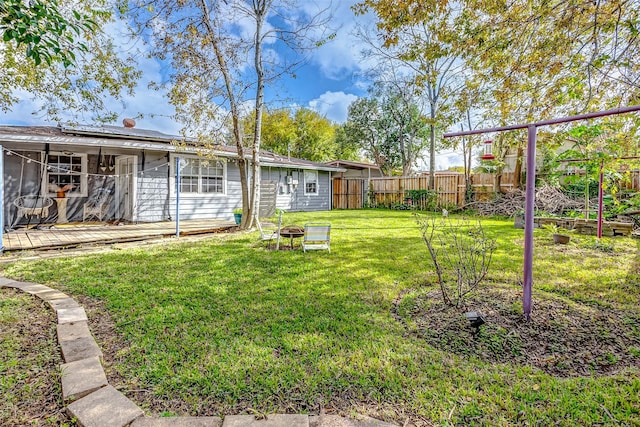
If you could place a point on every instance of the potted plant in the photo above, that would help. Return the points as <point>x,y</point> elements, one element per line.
<point>557,233</point>
<point>237,215</point>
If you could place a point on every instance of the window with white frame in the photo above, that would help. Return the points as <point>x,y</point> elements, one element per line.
<point>65,173</point>
<point>202,176</point>
<point>310,182</point>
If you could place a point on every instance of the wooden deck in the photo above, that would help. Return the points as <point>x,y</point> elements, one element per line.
<point>75,234</point>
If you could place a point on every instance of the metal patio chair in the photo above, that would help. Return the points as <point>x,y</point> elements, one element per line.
<point>317,236</point>
<point>270,235</point>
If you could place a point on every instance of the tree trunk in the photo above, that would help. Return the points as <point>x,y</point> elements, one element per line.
<point>517,173</point>
<point>261,8</point>
<point>233,105</point>
<point>497,182</point>
<point>432,154</point>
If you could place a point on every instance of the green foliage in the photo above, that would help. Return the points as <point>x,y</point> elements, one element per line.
<point>423,199</point>
<point>79,69</point>
<point>303,133</point>
<point>45,33</point>
<point>388,127</point>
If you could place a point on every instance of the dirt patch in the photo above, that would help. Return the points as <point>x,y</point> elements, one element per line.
<point>29,360</point>
<point>563,338</point>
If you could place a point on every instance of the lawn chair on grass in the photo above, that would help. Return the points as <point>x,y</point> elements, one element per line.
<point>316,236</point>
<point>271,234</point>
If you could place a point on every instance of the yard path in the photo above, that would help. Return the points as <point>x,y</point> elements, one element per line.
<point>93,402</point>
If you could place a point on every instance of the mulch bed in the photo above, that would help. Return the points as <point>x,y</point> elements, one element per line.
<point>564,338</point>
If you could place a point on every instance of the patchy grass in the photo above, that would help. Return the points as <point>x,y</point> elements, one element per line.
<point>29,359</point>
<point>225,326</point>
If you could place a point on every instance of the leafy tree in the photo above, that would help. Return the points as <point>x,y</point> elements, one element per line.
<point>78,67</point>
<point>560,56</point>
<point>216,50</point>
<point>366,127</point>
<point>315,136</point>
<point>278,131</point>
<point>388,127</point>
<point>304,134</point>
<point>596,149</point>
<point>45,33</point>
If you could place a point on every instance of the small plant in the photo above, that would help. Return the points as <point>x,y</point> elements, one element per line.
<point>551,228</point>
<point>237,211</point>
<point>461,254</point>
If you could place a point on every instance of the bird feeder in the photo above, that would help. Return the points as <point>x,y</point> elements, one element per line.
<point>488,155</point>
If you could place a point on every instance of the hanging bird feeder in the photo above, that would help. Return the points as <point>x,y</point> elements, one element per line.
<point>488,155</point>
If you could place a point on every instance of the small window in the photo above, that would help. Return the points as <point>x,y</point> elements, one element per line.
<point>66,172</point>
<point>202,176</point>
<point>310,182</point>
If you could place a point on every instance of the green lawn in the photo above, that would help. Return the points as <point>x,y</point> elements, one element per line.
<point>224,325</point>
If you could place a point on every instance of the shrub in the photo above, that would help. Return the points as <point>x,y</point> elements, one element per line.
<point>461,254</point>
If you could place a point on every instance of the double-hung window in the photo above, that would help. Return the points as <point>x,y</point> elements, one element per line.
<point>310,182</point>
<point>66,172</point>
<point>202,176</point>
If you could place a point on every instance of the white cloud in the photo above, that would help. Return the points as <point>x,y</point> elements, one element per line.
<point>333,105</point>
<point>343,56</point>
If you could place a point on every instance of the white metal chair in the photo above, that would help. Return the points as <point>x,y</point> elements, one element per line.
<point>270,235</point>
<point>317,236</point>
<point>33,205</point>
<point>97,207</point>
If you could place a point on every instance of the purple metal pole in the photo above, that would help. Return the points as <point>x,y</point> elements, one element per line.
<point>600,197</point>
<point>586,116</point>
<point>530,195</point>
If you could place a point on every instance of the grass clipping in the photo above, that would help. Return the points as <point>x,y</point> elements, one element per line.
<point>563,338</point>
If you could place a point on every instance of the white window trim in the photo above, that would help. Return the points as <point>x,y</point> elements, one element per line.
<point>172,159</point>
<point>317,181</point>
<point>84,173</point>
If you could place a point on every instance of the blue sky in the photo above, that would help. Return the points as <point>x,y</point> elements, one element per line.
<point>328,82</point>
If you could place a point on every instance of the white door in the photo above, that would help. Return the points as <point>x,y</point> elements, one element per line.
<point>126,184</point>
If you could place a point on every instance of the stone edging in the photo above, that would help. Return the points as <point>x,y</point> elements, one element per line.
<point>92,402</point>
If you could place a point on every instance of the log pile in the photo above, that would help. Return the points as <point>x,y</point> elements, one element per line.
<point>548,199</point>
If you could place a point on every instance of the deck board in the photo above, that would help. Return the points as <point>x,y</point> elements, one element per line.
<point>74,234</point>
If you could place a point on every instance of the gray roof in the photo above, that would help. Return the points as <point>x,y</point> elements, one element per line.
<point>150,139</point>
<point>120,132</point>
<point>352,165</point>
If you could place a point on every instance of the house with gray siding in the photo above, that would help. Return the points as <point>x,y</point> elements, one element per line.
<point>110,173</point>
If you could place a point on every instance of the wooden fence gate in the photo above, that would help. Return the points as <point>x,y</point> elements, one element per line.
<point>348,193</point>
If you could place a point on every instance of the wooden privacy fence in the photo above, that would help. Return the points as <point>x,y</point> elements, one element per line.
<point>633,181</point>
<point>352,193</point>
<point>389,191</point>
<point>349,193</point>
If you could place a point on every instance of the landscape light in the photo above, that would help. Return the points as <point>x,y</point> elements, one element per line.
<point>475,320</point>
